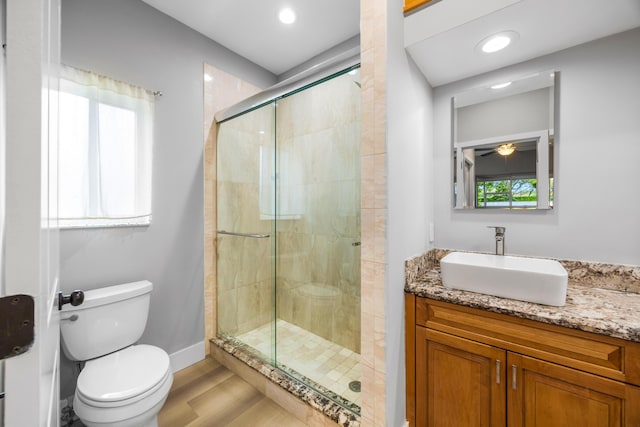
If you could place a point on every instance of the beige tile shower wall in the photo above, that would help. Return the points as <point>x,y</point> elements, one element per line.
<point>220,91</point>
<point>244,271</point>
<point>318,134</point>
<point>373,21</point>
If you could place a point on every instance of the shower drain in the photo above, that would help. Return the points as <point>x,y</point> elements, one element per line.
<point>354,386</point>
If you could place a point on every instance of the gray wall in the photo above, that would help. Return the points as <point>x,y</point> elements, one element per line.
<point>524,112</point>
<point>409,195</point>
<point>595,217</point>
<point>344,50</point>
<point>130,41</point>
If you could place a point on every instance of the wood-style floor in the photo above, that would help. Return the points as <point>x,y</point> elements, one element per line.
<point>208,394</point>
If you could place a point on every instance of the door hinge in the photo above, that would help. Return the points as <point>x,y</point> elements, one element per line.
<point>16,325</point>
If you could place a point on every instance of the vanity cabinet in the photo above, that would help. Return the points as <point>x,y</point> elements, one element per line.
<point>469,367</point>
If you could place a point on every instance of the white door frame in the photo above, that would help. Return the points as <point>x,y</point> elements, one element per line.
<point>31,235</point>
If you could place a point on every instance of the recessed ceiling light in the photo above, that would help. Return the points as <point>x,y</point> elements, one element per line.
<point>497,42</point>
<point>287,16</point>
<point>501,85</point>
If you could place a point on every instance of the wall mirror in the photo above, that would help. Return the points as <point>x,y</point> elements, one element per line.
<point>503,144</point>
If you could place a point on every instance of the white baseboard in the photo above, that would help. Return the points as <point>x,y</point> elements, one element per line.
<point>187,356</point>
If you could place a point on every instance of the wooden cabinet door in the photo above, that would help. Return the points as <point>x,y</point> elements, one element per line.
<point>542,394</point>
<point>459,383</point>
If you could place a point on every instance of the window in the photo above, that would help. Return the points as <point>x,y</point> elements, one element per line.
<point>509,192</point>
<point>106,132</point>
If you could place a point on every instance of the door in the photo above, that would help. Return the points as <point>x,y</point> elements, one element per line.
<point>543,394</point>
<point>2,183</point>
<point>459,383</point>
<point>245,226</point>
<point>318,234</point>
<point>31,235</point>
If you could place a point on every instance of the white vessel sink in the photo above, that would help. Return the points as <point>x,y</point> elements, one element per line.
<point>542,281</point>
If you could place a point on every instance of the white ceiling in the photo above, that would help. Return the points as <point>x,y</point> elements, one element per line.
<point>442,38</point>
<point>251,27</point>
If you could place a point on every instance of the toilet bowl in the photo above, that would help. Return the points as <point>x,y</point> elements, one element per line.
<point>125,389</point>
<point>121,384</point>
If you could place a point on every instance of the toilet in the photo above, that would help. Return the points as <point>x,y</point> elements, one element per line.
<point>122,384</point>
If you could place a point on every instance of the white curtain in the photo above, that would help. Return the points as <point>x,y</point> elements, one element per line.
<point>106,135</point>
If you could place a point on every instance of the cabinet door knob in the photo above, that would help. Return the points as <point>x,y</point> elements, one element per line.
<point>498,364</point>
<point>514,376</point>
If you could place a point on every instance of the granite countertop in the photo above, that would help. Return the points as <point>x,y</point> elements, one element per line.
<point>589,308</point>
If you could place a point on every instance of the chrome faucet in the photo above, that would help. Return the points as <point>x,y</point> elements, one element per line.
<point>499,239</point>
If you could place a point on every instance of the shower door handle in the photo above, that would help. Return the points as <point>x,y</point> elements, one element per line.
<point>252,235</point>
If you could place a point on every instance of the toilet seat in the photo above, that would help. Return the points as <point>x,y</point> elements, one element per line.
<point>123,377</point>
<point>123,386</point>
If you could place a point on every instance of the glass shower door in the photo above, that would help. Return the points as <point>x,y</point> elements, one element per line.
<point>288,243</point>
<point>245,229</point>
<point>318,236</point>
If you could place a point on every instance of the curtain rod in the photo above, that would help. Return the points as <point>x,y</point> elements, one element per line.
<point>156,93</point>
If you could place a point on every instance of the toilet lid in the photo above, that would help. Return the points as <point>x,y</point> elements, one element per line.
<point>124,374</point>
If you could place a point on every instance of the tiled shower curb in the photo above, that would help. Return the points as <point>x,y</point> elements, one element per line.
<point>317,401</point>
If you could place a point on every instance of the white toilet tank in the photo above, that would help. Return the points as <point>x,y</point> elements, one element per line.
<point>108,320</point>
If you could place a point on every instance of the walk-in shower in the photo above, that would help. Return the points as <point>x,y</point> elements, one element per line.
<point>288,232</point>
